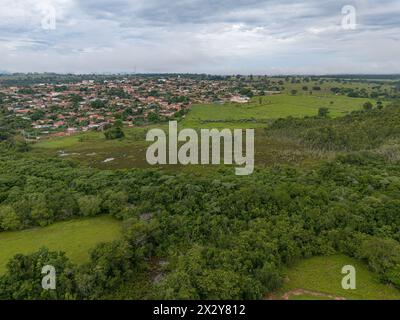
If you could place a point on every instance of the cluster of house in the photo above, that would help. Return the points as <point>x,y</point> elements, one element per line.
<point>64,109</point>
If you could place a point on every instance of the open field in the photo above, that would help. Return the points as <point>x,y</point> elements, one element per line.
<point>94,150</point>
<point>263,109</point>
<point>74,237</point>
<point>328,83</point>
<point>323,275</point>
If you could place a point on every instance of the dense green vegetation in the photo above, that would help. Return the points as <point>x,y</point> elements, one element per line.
<point>363,130</point>
<point>9,126</point>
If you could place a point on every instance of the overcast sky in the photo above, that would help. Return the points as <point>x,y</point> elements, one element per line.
<point>199,36</point>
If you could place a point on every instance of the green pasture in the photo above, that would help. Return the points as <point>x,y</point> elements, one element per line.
<point>323,275</point>
<point>74,237</point>
<point>261,110</point>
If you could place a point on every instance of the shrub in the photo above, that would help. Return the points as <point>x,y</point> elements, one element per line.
<point>89,206</point>
<point>9,219</point>
<point>114,133</point>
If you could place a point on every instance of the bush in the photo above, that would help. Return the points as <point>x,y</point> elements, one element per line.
<point>383,257</point>
<point>89,206</point>
<point>323,112</point>
<point>368,106</point>
<point>9,219</point>
<point>114,133</point>
<point>23,280</point>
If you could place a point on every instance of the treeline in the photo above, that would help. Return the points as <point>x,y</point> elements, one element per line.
<point>223,237</point>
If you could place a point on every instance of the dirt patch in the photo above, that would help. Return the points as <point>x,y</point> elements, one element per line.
<point>302,292</point>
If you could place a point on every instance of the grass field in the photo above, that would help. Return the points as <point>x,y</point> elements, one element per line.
<point>330,83</point>
<point>75,238</point>
<point>256,114</point>
<point>92,149</point>
<point>323,275</point>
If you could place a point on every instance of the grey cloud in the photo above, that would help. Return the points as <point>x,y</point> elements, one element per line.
<point>224,36</point>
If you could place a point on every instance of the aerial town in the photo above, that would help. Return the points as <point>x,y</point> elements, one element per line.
<point>65,109</point>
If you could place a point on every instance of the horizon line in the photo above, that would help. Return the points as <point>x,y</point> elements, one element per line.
<point>5,73</point>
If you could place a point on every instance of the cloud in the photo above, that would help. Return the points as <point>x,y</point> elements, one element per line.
<point>225,36</point>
